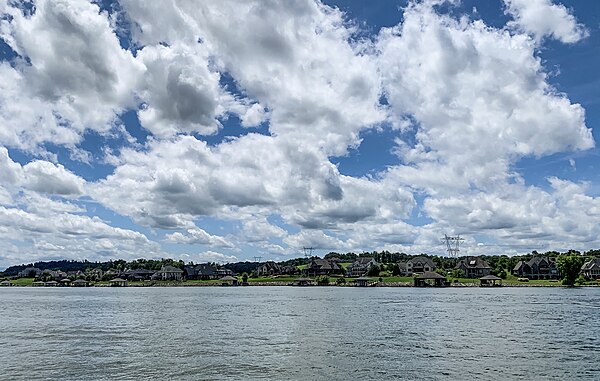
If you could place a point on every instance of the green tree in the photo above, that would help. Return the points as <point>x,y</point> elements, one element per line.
<point>457,273</point>
<point>569,266</point>
<point>323,280</point>
<point>245,277</point>
<point>339,281</point>
<point>374,271</point>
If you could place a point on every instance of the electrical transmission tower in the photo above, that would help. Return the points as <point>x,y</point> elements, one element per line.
<point>308,252</point>
<point>452,245</point>
<point>257,259</point>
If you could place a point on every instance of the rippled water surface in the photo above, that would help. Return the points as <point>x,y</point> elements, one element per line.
<point>280,333</point>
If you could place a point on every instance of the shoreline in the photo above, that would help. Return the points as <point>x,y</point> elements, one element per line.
<point>287,284</point>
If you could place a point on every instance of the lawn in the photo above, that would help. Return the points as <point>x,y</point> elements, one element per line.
<point>22,281</point>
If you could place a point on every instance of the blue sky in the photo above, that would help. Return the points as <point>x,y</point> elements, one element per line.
<point>229,130</point>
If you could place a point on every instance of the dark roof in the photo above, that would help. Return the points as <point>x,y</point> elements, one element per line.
<point>473,263</point>
<point>519,265</point>
<point>490,277</point>
<point>142,272</point>
<point>430,275</point>
<point>270,265</point>
<point>538,260</point>
<point>324,264</point>
<point>171,269</point>
<point>363,260</point>
<point>423,260</point>
<point>204,269</point>
<point>591,264</point>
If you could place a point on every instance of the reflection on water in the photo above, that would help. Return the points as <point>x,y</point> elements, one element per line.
<point>299,333</point>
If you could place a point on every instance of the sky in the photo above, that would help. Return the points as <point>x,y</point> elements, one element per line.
<point>222,131</point>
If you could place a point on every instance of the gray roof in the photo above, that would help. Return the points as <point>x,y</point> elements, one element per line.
<point>591,264</point>
<point>363,260</point>
<point>228,278</point>
<point>473,263</point>
<point>423,260</point>
<point>490,277</point>
<point>118,280</point>
<point>518,266</point>
<point>171,269</point>
<point>430,275</point>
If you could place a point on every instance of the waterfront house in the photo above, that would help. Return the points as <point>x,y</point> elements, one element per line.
<point>118,282</point>
<point>53,274</point>
<point>429,278</point>
<point>269,268</point>
<point>170,273</point>
<point>420,264</point>
<point>29,272</point>
<point>402,268</point>
<point>139,274</point>
<point>361,266</point>
<point>322,267</point>
<point>203,271</point>
<point>591,269</point>
<point>490,280</point>
<point>537,268</point>
<point>474,267</point>
<point>221,272</point>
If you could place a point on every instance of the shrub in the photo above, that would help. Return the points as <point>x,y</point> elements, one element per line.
<point>323,280</point>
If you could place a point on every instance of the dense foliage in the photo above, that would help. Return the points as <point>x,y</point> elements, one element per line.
<point>568,263</point>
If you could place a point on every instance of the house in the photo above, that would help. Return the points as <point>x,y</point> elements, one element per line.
<point>420,264</point>
<point>361,266</point>
<point>591,269</point>
<point>322,267</point>
<point>474,267</point>
<point>170,273</point>
<point>139,274</point>
<point>203,271</point>
<point>269,268</point>
<point>221,272</point>
<point>53,274</point>
<point>402,268</point>
<point>537,268</point>
<point>29,272</point>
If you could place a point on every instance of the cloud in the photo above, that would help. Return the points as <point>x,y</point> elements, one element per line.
<point>480,100</point>
<point>181,92</point>
<point>213,256</point>
<point>40,176</point>
<point>71,74</point>
<point>199,236</point>
<point>542,18</point>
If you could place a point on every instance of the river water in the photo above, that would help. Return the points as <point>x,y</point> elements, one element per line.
<point>291,333</point>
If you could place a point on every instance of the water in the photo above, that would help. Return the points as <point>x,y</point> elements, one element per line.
<point>281,333</point>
